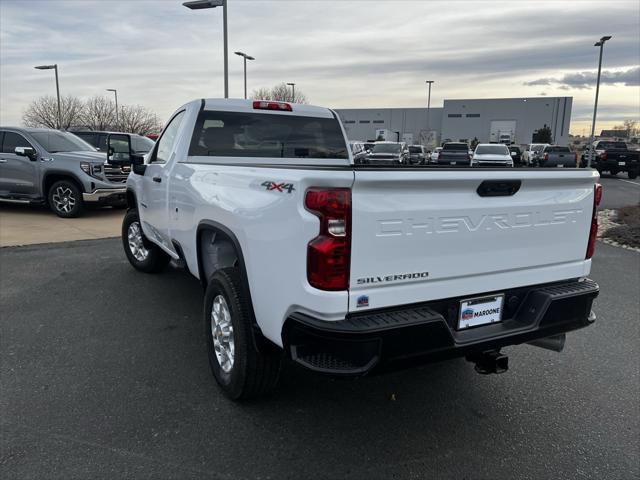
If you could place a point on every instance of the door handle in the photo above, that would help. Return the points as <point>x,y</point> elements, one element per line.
<point>157,179</point>
<point>499,188</point>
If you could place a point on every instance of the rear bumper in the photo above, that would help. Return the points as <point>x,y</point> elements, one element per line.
<point>396,338</point>
<point>614,164</point>
<point>106,196</point>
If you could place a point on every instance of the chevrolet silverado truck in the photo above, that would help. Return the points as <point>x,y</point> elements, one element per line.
<point>349,269</point>
<point>613,157</point>
<point>57,168</point>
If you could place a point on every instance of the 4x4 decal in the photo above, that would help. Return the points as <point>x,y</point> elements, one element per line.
<point>280,187</point>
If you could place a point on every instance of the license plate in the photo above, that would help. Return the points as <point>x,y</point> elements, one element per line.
<point>622,164</point>
<point>453,163</point>
<point>480,311</point>
<point>560,165</point>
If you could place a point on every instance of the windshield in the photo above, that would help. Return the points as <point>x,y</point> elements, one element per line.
<point>141,144</point>
<point>514,149</point>
<point>415,149</point>
<point>386,148</point>
<point>456,146</point>
<point>557,149</point>
<point>236,134</point>
<point>53,142</point>
<point>492,150</point>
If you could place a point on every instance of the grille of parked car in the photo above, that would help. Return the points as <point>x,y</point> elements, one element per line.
<point>117,173</point>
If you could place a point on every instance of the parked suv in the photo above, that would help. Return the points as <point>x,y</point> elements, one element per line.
<point>346,268</point>
<point>57,168</point>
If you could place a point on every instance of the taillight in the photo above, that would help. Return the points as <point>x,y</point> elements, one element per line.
<point>329,254</point>
<point>546,157</point>
<point>603,156</point>
<point>593,233</point>
<point>265,105</point>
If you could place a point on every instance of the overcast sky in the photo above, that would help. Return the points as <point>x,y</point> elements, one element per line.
<point>349,53</point>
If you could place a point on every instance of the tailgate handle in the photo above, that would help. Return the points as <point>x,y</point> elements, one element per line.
<point>499,188</point>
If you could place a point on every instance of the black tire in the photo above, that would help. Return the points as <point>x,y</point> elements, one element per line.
<point>155,258</point>
<point>613,172</point>
<point>253,373</point>
<point>632,175</point>
<point>65,199</point>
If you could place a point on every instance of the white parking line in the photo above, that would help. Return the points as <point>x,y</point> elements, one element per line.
<point>637,184</point>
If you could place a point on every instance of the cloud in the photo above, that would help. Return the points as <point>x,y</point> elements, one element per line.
<point>583,80</point>
<point>340,54</point>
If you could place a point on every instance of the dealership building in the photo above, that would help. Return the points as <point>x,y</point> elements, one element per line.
<point>463,120</point>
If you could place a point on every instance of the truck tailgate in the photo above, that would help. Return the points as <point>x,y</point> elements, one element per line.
<point>420,235</point>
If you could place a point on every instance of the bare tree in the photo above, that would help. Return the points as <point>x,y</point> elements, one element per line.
<point>281,93</point>
<point>43,112</point>
<point>99,114</point>
<point>138,119</point>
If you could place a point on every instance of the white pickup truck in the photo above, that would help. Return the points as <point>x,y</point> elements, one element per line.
<point>349,269</point>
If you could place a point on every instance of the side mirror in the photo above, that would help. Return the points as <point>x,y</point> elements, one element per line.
<point>137,164</point>
<point>26,152</point>
<point>119,149</point>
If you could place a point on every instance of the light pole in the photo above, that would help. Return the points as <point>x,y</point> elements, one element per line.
<point>595,106</point>
<point>116,93</point>
<point>54,67</point>
<point>429,82</point>
<point>246,57</point>
<point>293,92</point>
<point>201,4</point>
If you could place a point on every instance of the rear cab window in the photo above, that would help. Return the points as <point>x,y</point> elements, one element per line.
<point>456,146</point>
<point>267,135</point>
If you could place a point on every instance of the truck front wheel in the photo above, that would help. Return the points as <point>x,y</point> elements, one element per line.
<point>241,370</point>
<point>141,253</point>
<point>633,174</point>
<point>65,199</point>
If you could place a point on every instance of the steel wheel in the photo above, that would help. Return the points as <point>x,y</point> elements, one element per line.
<point>64,199</point>
<point>222,333</point>
<point>136,245</point>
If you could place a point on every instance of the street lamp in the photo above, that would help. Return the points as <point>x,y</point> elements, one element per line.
<point>246,57</point>
<point>429,82</point>
<point>54,67</point>
<point>595,106</point>
<point>116,93</point>
<point>293,92</point>
<point>201,4</point>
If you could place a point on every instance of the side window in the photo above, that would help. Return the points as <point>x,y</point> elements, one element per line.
<point>166,142</point>
<point>101,144</point>
<point>12,140</point>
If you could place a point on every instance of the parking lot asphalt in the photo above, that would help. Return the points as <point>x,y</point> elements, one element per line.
<point>619,191</point>
<point>104,374</point>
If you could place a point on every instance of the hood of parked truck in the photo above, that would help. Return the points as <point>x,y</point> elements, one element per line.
<point>80,156</point>
<point>491,157</point>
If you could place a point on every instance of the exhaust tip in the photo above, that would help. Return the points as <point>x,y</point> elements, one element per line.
<point>554,343</point>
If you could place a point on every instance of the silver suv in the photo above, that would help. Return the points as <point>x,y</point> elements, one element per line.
<point>57,168</point>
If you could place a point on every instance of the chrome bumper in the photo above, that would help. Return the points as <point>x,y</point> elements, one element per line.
<point>104,194</point>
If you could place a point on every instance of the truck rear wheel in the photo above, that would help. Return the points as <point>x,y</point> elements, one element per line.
<point>141,253</point>
<point>632,174</point>
<point>241,370</point>
<point>65,199</point>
